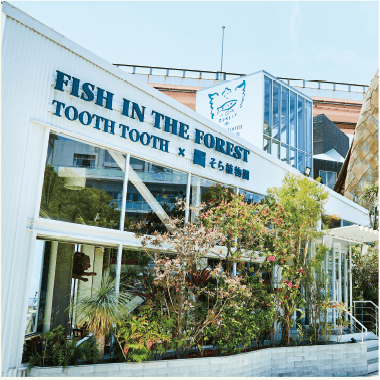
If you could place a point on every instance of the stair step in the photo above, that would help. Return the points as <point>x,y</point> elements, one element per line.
<point>373,367</point>
<point>372,343</point>
<point>372,348</point>
<point>374,354</point>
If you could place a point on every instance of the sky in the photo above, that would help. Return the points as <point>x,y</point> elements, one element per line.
<point>326,40</point>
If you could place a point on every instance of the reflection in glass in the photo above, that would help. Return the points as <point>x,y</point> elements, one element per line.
<point>328,178</point>
<point>267,106</point>
<point>82,184</point>
<point>251,197</point>
<point>275,149</point>
<point>266,145</point>
<point>36,301</point>
<point>293,119</point>
<point>152,196</point>
<point>309,163</point>
<point>284,153</point>
<point>293,158</point>
<point>284,115</point>
<point>301,161</point>
<point>300,124</point>
<point>276,110</point>
<point>309,127</point>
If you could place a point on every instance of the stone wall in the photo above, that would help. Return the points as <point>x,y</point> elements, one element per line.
<point>331,360</point>
<point>364,161</point>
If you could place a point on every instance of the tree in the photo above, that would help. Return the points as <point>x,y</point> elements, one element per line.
<point>303,200</point>
<point>369,196</point>
<point>101,308</point>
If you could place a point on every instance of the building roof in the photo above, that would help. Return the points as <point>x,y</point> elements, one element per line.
<point>356,233</point>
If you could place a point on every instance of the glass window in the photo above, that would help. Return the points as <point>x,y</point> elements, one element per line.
<point>284,153</point>
<point>300,124</point>
<point>293,120</point>
<point>309,163</point>
<point>78,186</point>
<point>346,223</point>
<point>152,196</point>
<point>267,106</point>
<point>309,128</point>
<point>201,191</point>
<point>251,197</point>
<point>293,157</point>
<point>276,110</point>
<point>275,149</point>
<point>328,178</point>
<point>301,161</point>
<point>35,300</point>
<point>266,145</point>
<point>285,115</point>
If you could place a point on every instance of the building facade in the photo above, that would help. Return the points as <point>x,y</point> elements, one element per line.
<point>88,150</point>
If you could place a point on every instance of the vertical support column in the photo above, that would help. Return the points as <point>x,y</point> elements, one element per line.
<point>50,285</point>
<point>196,194</point>
<point>234,270</point>
<point>333,280</point>
<point>118,267</point>
<point>340,272</point>
<point>345,281</point>
<point>125,188</point>
<point>351,281</point>
<point>187,197</point>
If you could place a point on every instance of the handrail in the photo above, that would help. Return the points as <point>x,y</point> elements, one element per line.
<point>377,307</point>
<point>225,73</point>
<point>375,311</point>
<point>361,325</point>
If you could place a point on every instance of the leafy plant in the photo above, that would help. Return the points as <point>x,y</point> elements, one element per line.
<point>102,308</point>
<point>57,350</point>
<point>137,337</point>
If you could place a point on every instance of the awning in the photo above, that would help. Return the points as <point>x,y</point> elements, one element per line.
<point>357,233</point>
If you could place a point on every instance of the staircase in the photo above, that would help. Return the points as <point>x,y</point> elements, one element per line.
<point>372,342</point>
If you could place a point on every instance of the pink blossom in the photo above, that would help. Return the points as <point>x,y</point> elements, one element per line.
<point>290,284</point>
<point>271,258</point>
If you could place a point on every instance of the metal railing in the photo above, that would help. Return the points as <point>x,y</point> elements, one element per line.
<point>368,313</point>
<point>316,84</point>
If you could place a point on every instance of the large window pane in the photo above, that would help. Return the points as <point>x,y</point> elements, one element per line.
<point>267,106</point>
<point>328,178</point>
<point>284,153</point>
<point>293,157</point>
<point>285,116</point>
<point>276,110</point>
<point>152,196</point>
<point>293,120</point>
<point>301,161</point>
<point>309,163</point>
<point>251,197</point>
<point>309,128</point>
<point>301,124</point>
<point>82,184</point>
<point>275,149</point>
<point>266,146</point>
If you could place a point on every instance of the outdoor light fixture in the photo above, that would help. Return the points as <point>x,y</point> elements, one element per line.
<point>307,171</point>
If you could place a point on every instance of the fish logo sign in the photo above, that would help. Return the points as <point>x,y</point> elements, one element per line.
<point>224,106</point>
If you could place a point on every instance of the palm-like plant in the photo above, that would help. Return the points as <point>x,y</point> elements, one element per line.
<point>102,308</point>
<point>369,196</point>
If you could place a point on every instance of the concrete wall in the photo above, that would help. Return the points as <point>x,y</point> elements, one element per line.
<point>332,360</point>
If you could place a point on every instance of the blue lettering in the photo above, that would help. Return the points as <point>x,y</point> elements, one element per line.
<point>220,145</point>
<point>140,114</point>
<point>198,136</point>
<point>89,118</point>
<point>100,97</point>
<point>67,113</point>
<point>137,135</point>
<point>61,80</point>
<point>86,90</point>
<point>58,108</point>
<point>209,141</point>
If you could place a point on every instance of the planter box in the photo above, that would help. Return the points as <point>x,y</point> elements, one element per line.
<point>328,360</point>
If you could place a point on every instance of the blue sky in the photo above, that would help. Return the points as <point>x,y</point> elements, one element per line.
<point>326,40</point>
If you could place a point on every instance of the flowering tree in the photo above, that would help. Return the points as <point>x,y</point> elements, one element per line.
<point>179,286</point>
<point>303,200</point>
<point>248,230</point>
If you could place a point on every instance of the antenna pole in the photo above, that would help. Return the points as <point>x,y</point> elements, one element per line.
<point>221,62</point>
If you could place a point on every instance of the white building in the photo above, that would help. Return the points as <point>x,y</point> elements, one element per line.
<point>70,119</point>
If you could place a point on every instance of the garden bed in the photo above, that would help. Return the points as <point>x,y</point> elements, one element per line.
<point>348,359</point>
